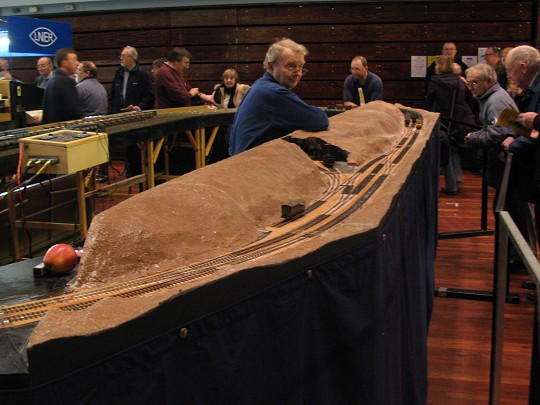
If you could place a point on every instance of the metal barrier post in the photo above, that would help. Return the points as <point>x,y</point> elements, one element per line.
<point>534,384</point>
<point>508,229</point>
<point>497,321</point>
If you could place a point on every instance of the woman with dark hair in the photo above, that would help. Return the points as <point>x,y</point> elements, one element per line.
<point>448,95</point>
<point>230,93</point>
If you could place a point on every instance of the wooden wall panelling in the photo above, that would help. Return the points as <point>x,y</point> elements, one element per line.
<point>108,22</point>
<point>380,51</point>
<point>338,71</point>
<point>323,89</point>
<point>118,39</point>
<point>204,35</point>
<point>387,34</point>
<point>111,56</point>
<point>212,53</point>
<point>387,12</point>
<point>200,17</point>
<point>373,33</point>
<point>211,72</point>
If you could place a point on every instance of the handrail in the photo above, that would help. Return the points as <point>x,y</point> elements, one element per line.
<point>507,230</point>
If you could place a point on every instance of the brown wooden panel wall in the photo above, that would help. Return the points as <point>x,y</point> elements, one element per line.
<point>386,34</point>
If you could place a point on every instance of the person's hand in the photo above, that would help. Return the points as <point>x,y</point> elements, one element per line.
<point>208,99</point>
<point>506,143</point>
<point>526,119</point>
<point>34,120</point>
<point>136,108</point>
<point>467,138</point>
<point>211,104</point>
<point>534,134</point>
<point>194,91</point>
<point>513,90</point>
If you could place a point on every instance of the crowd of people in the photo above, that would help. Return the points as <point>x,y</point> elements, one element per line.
<point>508,79</point>
<point>133,88</point>
<point>271,109</point>
<point>469,99</point>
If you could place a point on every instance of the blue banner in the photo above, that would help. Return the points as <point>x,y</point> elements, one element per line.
<point>38,37</point>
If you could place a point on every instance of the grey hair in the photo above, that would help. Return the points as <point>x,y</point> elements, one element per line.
<point>132,52</point>
<point>484,71</point>
<point>276,49</point>
<point>522,54</point>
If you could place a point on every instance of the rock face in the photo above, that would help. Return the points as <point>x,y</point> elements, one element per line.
<point>227,205</point>
<point>363,132</point>
<point>200,215</point>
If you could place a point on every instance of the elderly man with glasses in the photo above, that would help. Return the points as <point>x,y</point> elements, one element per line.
<point>270,109</point>
<point>132,87</point>
<point>361,86</point>
<point>131,90</point>
<point>482,81</point>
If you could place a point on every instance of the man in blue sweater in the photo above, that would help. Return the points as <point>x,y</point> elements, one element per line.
<point>270,109</point>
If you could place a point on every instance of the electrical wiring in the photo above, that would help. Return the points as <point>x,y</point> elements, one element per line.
<point>21,187</point>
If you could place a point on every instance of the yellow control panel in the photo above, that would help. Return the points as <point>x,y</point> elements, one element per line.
<point>66,151</point>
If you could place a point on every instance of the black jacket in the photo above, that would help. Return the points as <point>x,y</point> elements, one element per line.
<point>139,91</point>
<point>431,71</point>
<point>60,101</point>
<point>439,99</point>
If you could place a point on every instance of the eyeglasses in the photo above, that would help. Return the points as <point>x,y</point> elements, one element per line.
<point>43,66</point>
<point>299,69</point>
<point>472,83</point>
<point>489,54</point>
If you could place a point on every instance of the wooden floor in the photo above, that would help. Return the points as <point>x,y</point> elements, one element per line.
<point>460,331</point>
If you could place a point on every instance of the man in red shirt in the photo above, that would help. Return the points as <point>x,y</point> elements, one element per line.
<point>172,90</point>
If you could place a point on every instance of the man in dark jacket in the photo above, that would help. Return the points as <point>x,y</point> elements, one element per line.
<point>523,67</point>
<point>131,90</point>
<point>132,85</point>
<point>60,101</point>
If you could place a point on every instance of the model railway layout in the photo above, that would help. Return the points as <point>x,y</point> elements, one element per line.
<point>349,189</point>
<point>10,139</point>
<point>118,126</point>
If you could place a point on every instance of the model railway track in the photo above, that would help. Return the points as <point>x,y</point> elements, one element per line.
<point>347,192</point>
